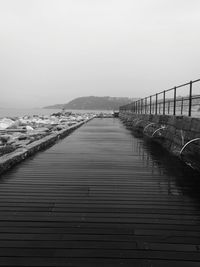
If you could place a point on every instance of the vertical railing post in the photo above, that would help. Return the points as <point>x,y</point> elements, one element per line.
<point>190,100</point>
<point>168,106</point>
<point>138,106</point>
<point>145,106</point>
<point>182,106</point>
<point>141,106</point>
<point>164,103</point>
<point>150,104</point>
<point>156,104</point>
<point>174,101</point>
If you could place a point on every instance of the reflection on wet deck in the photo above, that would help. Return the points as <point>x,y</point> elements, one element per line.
<point>100,197</point>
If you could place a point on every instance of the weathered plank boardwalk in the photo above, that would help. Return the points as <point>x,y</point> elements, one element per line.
<point>100,197</point>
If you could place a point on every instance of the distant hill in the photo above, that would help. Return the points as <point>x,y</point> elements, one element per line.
<point>94,103</point>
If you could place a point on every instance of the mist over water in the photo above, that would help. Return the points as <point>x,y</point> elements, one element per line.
<point>54,51</point>
<point>12,112</point>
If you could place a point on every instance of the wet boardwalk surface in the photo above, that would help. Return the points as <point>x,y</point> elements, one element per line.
<point>100,197</point>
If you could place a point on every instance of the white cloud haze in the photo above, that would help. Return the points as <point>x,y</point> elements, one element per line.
<point>52,51</point>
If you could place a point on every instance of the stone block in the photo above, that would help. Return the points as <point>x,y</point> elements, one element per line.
<point>156,119</point>
<point>195,125</point>
<point>163,119</point>
<point>172,120</point>
<point>186,124</point>
<point>178,123</point>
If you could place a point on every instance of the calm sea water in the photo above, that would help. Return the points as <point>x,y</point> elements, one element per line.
<point>12,112</point>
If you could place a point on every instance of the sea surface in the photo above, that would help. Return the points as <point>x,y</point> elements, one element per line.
<point>12,112</point>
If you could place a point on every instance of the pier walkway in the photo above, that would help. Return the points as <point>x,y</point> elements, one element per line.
<point>100,198</point>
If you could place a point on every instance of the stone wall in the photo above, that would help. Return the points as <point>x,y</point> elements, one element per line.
<point>9,160</point>
<point>172,132</point>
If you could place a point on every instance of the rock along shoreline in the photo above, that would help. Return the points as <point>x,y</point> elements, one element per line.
<point>9,160</point>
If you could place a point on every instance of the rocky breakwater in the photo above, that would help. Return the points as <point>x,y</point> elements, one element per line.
<point>21,137</point>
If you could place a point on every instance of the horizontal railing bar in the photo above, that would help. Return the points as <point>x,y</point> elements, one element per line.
<point>198,80</point>
<point>170,89</point>
<point>153,104</point>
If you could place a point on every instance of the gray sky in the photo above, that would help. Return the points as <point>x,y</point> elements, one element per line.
<point>52,51</point>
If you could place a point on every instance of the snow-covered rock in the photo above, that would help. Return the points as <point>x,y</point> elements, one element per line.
<point>5,123</point>
<point>29,128</point>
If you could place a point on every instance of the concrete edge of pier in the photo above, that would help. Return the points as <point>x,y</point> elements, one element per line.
<point>179,135</point>
<point>7,161</point>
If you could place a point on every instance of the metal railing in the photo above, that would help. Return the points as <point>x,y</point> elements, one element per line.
<point>169,102</point>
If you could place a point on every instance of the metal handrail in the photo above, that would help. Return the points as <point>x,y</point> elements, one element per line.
<point>143,106</point>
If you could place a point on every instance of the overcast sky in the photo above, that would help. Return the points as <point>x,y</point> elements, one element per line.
<point>52,51</point>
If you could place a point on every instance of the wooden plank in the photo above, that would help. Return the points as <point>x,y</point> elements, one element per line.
<point>100,197</point>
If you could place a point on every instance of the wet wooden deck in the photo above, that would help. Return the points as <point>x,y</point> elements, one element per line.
<point>100,197</point>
